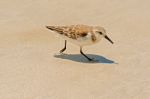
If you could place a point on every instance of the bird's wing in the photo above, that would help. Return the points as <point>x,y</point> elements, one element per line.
<point>73,31</point>
<point>76,31</point>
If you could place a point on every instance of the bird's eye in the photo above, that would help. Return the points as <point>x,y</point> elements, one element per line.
<point>100,33</point>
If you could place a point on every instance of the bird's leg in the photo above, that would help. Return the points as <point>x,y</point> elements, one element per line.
<point>85,55</point>
<point>61,51</point>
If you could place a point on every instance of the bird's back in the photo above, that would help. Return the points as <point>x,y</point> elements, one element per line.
<point>72,31</point>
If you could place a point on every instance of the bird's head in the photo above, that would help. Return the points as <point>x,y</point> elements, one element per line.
<point>102,32</point>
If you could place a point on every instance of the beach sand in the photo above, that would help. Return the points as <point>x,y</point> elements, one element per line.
<point>31,68</point>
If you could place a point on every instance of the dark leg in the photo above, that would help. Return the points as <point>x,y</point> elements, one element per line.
<point>61,51</point>
<point>85,55</point>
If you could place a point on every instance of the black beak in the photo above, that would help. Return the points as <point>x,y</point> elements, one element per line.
<point>106,37</point>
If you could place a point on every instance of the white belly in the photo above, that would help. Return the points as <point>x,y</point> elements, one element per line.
<point>83,41</point>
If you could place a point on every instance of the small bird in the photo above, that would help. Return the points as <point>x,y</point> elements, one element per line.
<point>81,35</point>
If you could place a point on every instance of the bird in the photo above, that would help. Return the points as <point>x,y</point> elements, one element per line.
<point>81,35</point>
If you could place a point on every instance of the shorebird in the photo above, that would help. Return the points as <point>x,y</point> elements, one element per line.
<point>81,35</point>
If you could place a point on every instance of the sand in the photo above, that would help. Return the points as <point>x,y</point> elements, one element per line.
<point>30,67</point>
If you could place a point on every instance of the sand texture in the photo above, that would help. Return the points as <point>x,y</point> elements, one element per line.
<point>31,68</point>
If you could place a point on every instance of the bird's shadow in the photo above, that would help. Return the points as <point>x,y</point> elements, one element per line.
<point>82,59</point>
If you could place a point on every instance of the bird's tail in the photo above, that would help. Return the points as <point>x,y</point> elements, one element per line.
<point>51,27</point>
<point>56,29</point>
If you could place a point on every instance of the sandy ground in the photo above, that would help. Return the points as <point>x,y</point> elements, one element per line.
<point>31,69</point>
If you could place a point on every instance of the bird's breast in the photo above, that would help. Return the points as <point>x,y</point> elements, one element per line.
<point>86,40</point>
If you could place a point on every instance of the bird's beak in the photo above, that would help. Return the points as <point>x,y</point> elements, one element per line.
<point>106,37</point>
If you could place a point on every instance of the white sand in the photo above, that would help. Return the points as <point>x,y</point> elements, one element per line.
<point>29,68</point>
